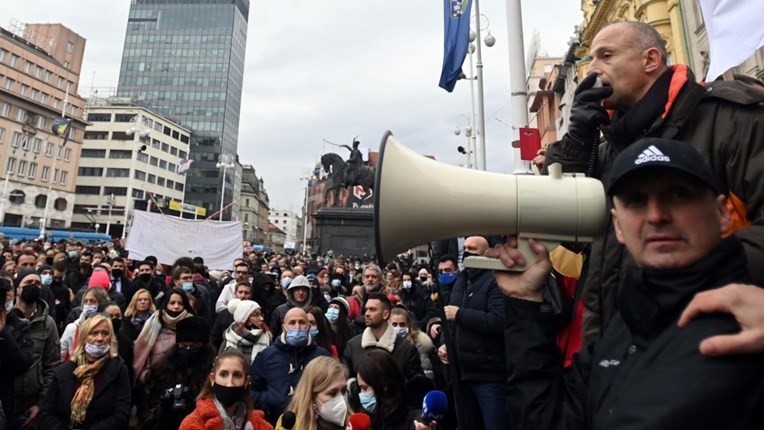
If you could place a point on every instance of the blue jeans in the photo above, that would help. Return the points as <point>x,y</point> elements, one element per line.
<point>481,405</point>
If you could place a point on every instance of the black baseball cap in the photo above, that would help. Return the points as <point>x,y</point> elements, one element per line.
<point>664,153</point>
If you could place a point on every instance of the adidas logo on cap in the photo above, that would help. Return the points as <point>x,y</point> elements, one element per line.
<point>651,154</point>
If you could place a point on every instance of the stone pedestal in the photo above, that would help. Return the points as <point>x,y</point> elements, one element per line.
<point>346,231</point>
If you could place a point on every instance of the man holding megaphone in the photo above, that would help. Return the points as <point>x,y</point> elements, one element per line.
<point>646,372</point>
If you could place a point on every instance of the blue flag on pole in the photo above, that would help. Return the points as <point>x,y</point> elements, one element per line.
<point>456,40</point>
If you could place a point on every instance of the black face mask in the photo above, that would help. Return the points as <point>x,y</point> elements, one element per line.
<point>145,277</point>
<point>116,324</point>
<point>49,261</point>
<point>189,355</point>
<point>31,293</point>
<point>227,396</point>
<point>117,273</point>
<point>172,314</point>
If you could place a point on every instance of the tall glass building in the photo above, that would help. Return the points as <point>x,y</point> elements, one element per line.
<point>185,59</point>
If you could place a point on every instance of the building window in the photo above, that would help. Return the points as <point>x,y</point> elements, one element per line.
<point>117,191</point>
<point>93,153</point>
<point>141,176</point>
<point>67,154</point>
<point>117,173</point>
<point>64,177</point>
<point>153,161</point>
<point>16,139</point>
<point>41,122</point>
<point>143,157</point>
<point>55,175</point>
<point>47,76</point>
<point>33,94</point>
<point>32,170</point>
<point>120,154</point>
<point>6,110</point>
<point>48,149</point>
<point>60,204</point>
<point>2,135</point>
<point>60,83</point>
<point>96,135</point>
<point>152,179</point>
<point>21,115</point>
<point>22,168</point>
<point>41,201</point>
<point>45,173</point>
<point>3,52</point>
<point>11,165</point>
<point>99,117</point>
<point>24,90</point>
<point>90,171</point>
<point>43,98</point>
<point>161,182</point>
<point>9,84</point>
<point>69,47</point>
<point>87,190</point>
<point>28,67</point>
<point>17,197</point>
<point>37,145</point>
<point>38,71</point>
<point>124,117</point>
<point>14,60</point>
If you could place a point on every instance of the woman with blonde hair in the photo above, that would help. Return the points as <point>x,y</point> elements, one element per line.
<point>401,320</point>
<point>92,389</point>
<point>138,311</point>
<point>224,401</point>
<point>319,401</point>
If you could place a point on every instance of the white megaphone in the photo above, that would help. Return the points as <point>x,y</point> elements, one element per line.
<point>418,200</point>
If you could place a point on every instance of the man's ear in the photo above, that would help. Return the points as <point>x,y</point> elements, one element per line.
<point>386,314</point>
<point>617,226</point>
<point>725,217</point>
<point>652,58</point>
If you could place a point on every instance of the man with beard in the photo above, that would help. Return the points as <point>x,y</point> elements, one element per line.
<point>372,278</point>
<point>78,278</point>
<point>301,295</point>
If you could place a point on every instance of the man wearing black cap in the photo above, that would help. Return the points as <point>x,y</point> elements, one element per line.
<point>646,372</point>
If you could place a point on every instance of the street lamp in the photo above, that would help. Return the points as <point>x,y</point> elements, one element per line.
<point>110,203</point>
<point>489,40</point>
<point>225,161</point>
<point>141,133</point>
<point>470,156</point>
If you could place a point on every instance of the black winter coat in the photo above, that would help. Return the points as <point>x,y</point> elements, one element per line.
<point>109,409</point>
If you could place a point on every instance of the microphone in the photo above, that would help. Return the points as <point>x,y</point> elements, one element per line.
<point>288,421</point>
<point>434,406</point>
<point>359,421</point>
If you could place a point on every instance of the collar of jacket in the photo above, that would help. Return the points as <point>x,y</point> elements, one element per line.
<point>387,340</point>
<point>652,299</point>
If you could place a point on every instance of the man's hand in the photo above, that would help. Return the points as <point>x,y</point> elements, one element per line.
<point>451,312</point>
<point>526,285</point>
<point>587,111</point>
<point>435,331</point>
<point>745,303</point>
<point>442,354</point>
<point>539,160</point>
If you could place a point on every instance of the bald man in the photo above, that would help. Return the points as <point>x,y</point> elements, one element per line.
<point>275,372</point>
<point>472,344</point>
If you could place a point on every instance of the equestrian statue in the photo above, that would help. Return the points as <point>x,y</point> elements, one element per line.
<point>346,174</point>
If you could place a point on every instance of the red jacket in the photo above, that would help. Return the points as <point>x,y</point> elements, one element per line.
<point>206,417</point>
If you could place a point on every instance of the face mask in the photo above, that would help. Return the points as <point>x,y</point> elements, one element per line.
<point>116,273</point>
<point>145,277</point>
<point>286,282</point>
<point>46,279</point>
<point>188,355</point>
<point>332,315</point>
<point>172,314</point>
<point>297,337</point>
<point>327,297</point>
<point>84,265</point>
<point>401,331</point>
<point>336,283</point>
<point>423,278</point>
<point>72,254</point>
<point>49,261</point>
<point>30,293</point>
<point>97,350</point>
<point>407,284</point>
<point>116,324</point>
<point>188,286</point>
<point>335,410</point>
<point>89,309</point>
<point>368,401</point>
<point>314,332</point>
<point>8,306</point>
<point>447,278</point>
<point>227,396</point>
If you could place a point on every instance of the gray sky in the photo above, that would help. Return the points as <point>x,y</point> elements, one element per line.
<point>335,69</point>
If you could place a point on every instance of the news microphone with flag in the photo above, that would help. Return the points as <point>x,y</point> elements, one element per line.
<point>434,406</point>
<point>287,421</point>
<point>359,421</point>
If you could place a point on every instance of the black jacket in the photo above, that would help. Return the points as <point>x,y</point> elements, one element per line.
<point>417,301</point>
<point>16,356</point>
<point>109,409</point>
<point>646,372</point>
<point>404,352</point>
<point>474,340</point>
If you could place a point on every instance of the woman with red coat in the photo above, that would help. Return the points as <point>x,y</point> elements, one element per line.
<point>224,402</point>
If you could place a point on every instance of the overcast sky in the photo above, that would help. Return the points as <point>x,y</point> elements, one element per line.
<point>335,69</point>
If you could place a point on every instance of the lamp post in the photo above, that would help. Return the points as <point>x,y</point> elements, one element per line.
<point>110,202</point>
<point>470,156</point>
<point>489,40</point>
<point>141,133</point>
<point>225,161</point>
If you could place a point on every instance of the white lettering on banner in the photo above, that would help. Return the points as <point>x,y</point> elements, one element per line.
<point>169,238</point>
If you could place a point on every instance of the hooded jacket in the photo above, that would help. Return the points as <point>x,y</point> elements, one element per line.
<point>724,122</point>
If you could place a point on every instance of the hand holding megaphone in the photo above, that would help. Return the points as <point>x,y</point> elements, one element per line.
<point>529,284</point>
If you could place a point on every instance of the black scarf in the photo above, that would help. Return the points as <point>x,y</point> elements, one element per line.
<point>631,125</point>
<point>652,299</point>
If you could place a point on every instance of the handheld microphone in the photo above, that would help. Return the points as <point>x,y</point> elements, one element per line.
<point>288,421</point>
<point>359,421</point>
<point>434,406</point>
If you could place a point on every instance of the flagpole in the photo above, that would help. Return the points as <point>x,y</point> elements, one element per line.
<point>481,150</point>
<point>52,176</point>
<point>518,93</point>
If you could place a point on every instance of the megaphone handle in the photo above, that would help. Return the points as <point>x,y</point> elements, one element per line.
<point>495,264</point>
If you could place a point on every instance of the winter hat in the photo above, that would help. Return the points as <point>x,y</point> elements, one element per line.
<point>242,309</point>
<point>43,268</point>
<point>299,281</point>
<point>423,272</point>
<point>99,278</point>
<point>192,329</point>
<point>21,275</point>
<point>342,302</point>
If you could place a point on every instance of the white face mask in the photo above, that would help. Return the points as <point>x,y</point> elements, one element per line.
<point>8,306</point>
<point>401,331</point>
<point>89,309</point>
<point>335,410</point>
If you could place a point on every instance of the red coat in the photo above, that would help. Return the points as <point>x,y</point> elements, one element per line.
<point>206,417</point>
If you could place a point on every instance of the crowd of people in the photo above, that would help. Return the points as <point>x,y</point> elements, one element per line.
<point>672,294</point>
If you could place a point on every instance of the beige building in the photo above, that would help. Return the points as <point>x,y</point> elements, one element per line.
<point>39,79</point>
<point>128,150</point>
<point>275,238</point>
<point>542,101</point>
<point>253,207</point>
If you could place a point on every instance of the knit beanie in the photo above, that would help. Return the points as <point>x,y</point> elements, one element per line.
<point>23,274</point>
<point>342,302</point>
<point>99,278</point>
<point>192,329</point>
<point>242,309</point>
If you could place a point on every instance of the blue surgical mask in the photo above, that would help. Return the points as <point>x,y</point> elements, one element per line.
<point>286,282</point>
<point>336,283</point>
<point>72,254</point>
<point>368,401</point>
<point>297,337</point>
<point>401,331</point>
<point>46,279</point>
<point>187,286</point>
<point>332,315</point>
<point>314,332</point>
<point>447,278</point>
<point>89,309</point>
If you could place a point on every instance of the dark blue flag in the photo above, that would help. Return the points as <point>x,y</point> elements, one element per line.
<point>456,40</point>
